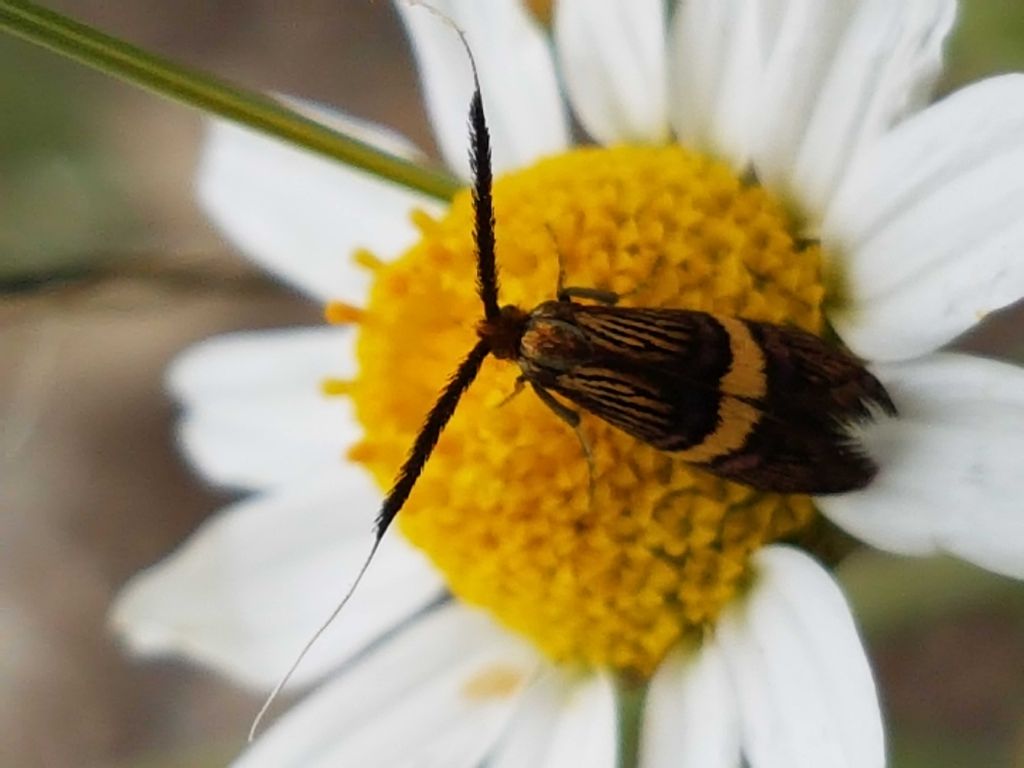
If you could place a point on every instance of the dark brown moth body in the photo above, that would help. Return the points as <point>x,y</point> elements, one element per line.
<point>761,404</point>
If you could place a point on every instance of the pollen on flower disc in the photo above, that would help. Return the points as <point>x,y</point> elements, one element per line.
<point>503,507</point>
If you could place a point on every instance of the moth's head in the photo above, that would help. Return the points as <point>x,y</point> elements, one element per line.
<point>503,333</point>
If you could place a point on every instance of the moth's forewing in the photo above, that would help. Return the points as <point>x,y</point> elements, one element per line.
<point>761,404</point>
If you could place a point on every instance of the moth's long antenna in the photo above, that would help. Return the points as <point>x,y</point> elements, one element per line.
<point>311,642</point>
<point>441,413</point>
<point>421,449</point>
<point>483,204</point>
<point>483,177</point>
<point>431,431</point>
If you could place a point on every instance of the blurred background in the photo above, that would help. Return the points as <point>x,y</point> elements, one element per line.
<point>107,270</point>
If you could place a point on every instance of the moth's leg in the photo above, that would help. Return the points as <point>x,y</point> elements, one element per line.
<point>572,418</point>
<point>560,286</point>
<point>519,387</point>
<point>567,292</point>
<point>603,296</point>
<point>562,411</point>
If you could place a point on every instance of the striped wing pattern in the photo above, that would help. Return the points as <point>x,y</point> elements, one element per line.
<point>762,404</point>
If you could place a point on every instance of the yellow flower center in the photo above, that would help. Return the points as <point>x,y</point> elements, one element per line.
<point>504,507</point>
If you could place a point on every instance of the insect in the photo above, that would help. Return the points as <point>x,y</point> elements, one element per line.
<point>761,404</point>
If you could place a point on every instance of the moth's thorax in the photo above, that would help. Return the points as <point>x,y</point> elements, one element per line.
<point>552,341</point>
<point>504,332</point>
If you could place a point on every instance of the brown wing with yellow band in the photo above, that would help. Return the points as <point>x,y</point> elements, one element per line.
<point>761,404</point>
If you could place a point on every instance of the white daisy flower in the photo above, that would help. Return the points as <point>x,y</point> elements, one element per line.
<point>507,618</point>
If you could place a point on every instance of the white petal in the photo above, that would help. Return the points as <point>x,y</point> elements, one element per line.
<point>282,359</point>
<point>255,416</point>
<point>746,72</point>
<point>805,692</point>
<point>690,717</point>
<point>716,61</point>
<point>836,82</point>
<point>586,729</point>
<point>952,464</point>
<point>422,699</point>
<point>517,77</point>
<point>929,223</point>
<point>261,444</point>
<point>300,216</point>
<point>799,37</point>
<point>612,55</point>
<point>252,584</point>
<point>528,737</point>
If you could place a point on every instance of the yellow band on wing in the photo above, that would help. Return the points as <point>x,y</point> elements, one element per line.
<point>736,420</point>
<point>746,376</point>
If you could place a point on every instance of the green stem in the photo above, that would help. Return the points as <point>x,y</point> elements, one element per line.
<point>121,59</point>
<point>630,696</point>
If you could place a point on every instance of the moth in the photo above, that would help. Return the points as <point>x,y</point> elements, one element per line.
<point>765,405</point>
